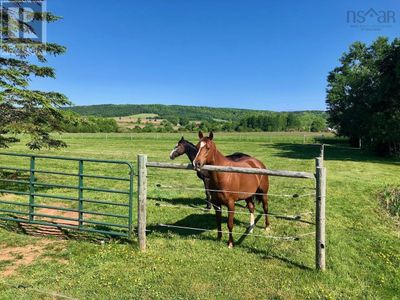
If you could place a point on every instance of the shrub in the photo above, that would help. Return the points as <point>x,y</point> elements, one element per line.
<point>390,199</point>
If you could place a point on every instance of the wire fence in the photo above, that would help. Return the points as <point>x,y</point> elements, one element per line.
<point>294,217</point>
<point>257,213</point>
<point>318,193</point>
<point>288,238</point>
<point>234,192</point>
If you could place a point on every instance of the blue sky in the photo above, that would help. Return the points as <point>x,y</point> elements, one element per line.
<point>257,54</point>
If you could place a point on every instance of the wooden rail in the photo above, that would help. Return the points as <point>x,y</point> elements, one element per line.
<point>280,173</point>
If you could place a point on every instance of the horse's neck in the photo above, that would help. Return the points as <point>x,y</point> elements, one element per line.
<point>219,159</point>
<point>190,151</point>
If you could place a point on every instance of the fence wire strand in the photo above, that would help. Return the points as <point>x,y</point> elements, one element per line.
<point>288,238</point>
<point>53,295</point>
<point>256,213</point>
<point>233,192</point>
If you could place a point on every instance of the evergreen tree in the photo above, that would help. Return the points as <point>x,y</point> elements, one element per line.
<point>24,110</point>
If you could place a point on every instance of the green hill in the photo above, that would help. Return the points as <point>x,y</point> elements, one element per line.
<point>174,112</point>
<point>192,118</point>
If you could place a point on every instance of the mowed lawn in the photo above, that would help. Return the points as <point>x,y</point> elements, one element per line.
<point>363,242</point>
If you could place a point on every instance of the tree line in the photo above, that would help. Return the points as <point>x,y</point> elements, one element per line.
<point>192,118</point>
<point>174,113</point>
<point>271,121</point>
<point>74,123</point>
<point>363,96</point>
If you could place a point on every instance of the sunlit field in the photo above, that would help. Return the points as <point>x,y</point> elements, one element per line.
<point>363,242</point>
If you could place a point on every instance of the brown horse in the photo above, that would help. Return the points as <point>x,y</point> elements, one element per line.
<point>185,147</point>
<point>232,187</point>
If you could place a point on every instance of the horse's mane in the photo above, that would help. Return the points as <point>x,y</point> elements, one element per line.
<point>191,144</point>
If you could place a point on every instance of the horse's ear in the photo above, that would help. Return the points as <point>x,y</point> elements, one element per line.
<point>211,135</point>
<point>182,138</point>
<point>200,135</point>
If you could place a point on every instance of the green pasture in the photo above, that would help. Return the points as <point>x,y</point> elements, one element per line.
<point>363,241</point>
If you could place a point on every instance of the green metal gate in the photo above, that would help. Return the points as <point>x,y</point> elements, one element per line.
<point>78,202</point>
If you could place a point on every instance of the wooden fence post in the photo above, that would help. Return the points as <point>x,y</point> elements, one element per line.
<point>142,200</point>
<point>322,154</point>
<point>319,162</point>
<point>320,245</point>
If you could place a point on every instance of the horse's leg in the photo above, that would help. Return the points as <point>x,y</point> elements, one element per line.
<point>218,219</point>
<point>231,213</point>
<point>206,182</point>
<point>264,199</point>
<point>250,206</point>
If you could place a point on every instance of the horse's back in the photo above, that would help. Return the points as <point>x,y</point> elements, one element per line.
<point>248,183</point>
<point>237,156</point>
<point>248,162</point>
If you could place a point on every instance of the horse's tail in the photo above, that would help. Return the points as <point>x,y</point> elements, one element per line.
<point>262,188</point>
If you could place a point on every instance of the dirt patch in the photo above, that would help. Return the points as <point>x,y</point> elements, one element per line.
<point>59,213</point>
<point>56,218</point>
<point>21,256</point>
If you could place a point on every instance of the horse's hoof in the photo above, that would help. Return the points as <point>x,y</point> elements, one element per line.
<point>267,228</point>
<point>230,245</point>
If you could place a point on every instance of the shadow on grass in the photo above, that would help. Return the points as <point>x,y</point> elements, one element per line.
<point>191,202</point>
<point>266,254</point>
<point>201,222</point>
<point>195,202</point>
<point>62,232</point>
<point>207,223</point>
<point>332,152</point>
<point>7,182</point>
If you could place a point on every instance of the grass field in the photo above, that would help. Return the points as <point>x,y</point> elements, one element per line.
<point>363,242</point>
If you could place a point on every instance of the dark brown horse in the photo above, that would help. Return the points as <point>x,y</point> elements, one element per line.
<point>232,187</point>
<point>185,147</point>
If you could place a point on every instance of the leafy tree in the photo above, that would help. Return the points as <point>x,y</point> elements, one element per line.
<point>191,127</point>
<point>23,110</point>
<point>363,95</point>
<point>317,125</point>
<point>293,122</point>
<point>183,121</point>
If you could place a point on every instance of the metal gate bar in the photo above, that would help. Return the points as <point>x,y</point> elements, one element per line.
<point>81,221</point>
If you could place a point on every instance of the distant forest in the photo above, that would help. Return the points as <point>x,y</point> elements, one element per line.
<point>192,118</point>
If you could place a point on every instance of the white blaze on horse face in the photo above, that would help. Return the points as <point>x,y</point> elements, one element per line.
<point>172,152</point>
<point>202,144</point>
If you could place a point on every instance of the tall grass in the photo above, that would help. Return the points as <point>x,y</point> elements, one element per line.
<point>390,199</point>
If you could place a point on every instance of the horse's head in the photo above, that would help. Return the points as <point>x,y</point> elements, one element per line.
<point>206,149</point>
<point>178,150</point>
